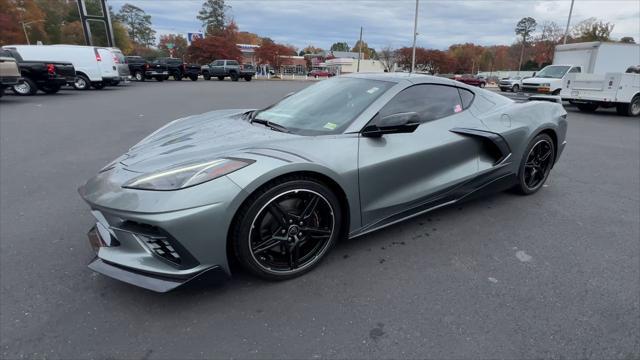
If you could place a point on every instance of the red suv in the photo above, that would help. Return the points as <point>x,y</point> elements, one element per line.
<point>472,80</point>
<point>319,73</point>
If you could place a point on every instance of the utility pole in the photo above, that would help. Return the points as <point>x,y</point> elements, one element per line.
<point>415,34</point>
<point>24,28</point>
<point>566,31</point>
<point>359,50</point>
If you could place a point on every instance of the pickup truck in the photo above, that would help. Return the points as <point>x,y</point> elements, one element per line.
<point>9,73</point>
<point>47,76</point>
<point>179,69</point>
<point>142,70</point>
<point>228,68</point>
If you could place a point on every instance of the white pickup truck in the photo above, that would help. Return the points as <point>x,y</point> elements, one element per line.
<point>584,58</point>
<point>614,89</point>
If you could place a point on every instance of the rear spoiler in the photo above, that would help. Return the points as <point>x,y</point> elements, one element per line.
<point>550,98</point>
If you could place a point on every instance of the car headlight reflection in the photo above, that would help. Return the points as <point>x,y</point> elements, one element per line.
<point>186,175</point>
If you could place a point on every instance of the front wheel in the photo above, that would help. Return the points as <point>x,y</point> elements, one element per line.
<point>220,78</point>
<point>285,230</point>
<point>247,78</point>
<point>233,76</point>
<point>631,109</point>
<point>139,76</point>
<point>515,88</point>
<point>81,82</point>
<point>206,75</point>
<point>177,77</point>
<point>536,164</point>
<point>193,77</point>
<point>26,88</point>
<point>99,85</point>
<point>50,89</point>
<point>587,107</point>
<point>160,78</point>
<point>482,85</point>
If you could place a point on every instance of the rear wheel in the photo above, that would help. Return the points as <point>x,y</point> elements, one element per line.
<point>515,88</point>
<point>81,82</point>
<point>482,84</point>
<point>233,76</point>
<point>193,77</point>
<point>287,229</point>
<point>247,78</point>
<point>160,78</point>
<point>589,107</point>
<point>536,164</point>
<point>50,89</point>
<point>98,85</point>
<point>26,88</point>
<point>631,109</point>
<point>206,75</point>
<point>220,78</point>
<point>139,76</point>
<point>177,77</point>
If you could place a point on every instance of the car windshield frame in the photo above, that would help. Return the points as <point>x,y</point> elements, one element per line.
<point>542,74</point>
<point>346,96</point>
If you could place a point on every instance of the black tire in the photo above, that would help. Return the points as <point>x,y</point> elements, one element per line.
<point>315,76</point>
<point>82,82</point>
<point>247,78</point>
<point>193,77</point>
<point>536,164</point>
<point>177,77</point>
<point>296,250</point>
<point>482,85</point>
<point>98,85</point>
<point>589,107</point>
<point>206,75</point>
<point>631,109</point>
<point>50,89</point>
<point>139,76</point>
<point>515,88</point>
<point>233,76</point>
<point>160,78</point>
<point>221,78</point>
<point>27,88</point>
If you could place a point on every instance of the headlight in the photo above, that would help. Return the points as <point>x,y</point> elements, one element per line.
<point>545,85</point>
<point>186,175</point>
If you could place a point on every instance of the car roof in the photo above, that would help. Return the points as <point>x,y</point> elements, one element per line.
<point>413,78</point>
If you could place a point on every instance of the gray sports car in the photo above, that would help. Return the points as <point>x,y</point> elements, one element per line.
<point>276,188</point>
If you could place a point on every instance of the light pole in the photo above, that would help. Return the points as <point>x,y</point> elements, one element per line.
<point>415,34</point>
<point>566,31</point>
<point>24,28</point>
<point>359,50</point>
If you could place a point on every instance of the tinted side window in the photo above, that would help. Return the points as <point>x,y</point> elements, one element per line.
<point>431,102</point>
<point>232,63</point>
<point>466,96</point>
<point>575,70</point>
<point>218,63</point>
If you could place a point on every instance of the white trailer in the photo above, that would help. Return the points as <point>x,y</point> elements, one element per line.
<point>582,58</point>
<point>614,89</point>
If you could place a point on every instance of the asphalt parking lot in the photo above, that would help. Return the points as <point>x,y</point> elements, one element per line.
<point>554,275</point>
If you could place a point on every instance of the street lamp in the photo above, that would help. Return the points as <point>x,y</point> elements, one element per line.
<point>566,31</point>
<point>24,28</point>
<point>415,34</point>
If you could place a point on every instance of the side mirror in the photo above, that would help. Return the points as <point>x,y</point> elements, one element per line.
<point>533,75</point>
<point>393,124</point>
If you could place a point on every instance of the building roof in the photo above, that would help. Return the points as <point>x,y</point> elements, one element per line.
<point>344,54</point>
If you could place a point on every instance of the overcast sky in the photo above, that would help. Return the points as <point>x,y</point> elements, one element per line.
<point>390,22</point>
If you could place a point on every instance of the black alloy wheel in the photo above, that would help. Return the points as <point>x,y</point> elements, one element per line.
<point>139,76</point>
<point>537,164</point>
<point>288,229</point>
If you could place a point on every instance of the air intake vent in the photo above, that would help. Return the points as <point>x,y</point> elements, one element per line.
<point>162,248</point>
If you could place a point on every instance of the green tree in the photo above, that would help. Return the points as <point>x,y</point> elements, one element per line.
<point>628,40</point>
<point>367,53</point>
<point>525,28</point>
<point>340,46</point>
<point>178,47</point>
<point>138,24</point>
<point>592,29</point>
<point>212,14</point>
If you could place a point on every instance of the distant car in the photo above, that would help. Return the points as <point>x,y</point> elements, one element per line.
<point>46,76</point>
<point>9,72</point>
<point>472,80</point>
<point>142,70</point>
<point>511,83</point>
<point>228,68</point>
<point>319,73</point>
<point>179,69</point>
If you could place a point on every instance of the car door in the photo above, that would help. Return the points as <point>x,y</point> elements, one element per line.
<point>399,173</point>
<point>217,68</point>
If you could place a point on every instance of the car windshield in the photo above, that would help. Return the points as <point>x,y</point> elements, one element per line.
<point>556,72</point>
<point>327,107</point>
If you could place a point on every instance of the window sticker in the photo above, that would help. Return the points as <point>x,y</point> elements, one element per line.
<point>330,126</point>
<point>457,108</point>
<point>373,90</point>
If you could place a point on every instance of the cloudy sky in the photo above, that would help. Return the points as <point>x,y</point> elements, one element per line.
<point>390,22</point>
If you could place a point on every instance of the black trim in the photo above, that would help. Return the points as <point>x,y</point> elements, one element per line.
<point>496,139</point>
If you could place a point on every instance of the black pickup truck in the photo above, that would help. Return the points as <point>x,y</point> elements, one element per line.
<point>47,76</point>
<point>179,70</point>
<point>142,70</point>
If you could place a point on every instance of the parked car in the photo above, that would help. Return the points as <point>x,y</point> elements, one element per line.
<point>142,70</point>
<point>513,84</point>
<point>472,80</point>
<point>47,76</point>
<point>95,67</point>
<point>178,69</point>
<point>9,72</point>
<point>319,73</point>
<point>121,64</point>
<point>228,68</point>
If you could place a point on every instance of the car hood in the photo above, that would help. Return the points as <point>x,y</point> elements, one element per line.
<point>200,137</point>
<point>536,80</point>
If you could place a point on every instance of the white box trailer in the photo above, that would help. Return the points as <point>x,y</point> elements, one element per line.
<point>613,89</point>
<point>583,58</point>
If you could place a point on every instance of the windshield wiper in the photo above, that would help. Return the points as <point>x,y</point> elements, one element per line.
<point>271,125</point>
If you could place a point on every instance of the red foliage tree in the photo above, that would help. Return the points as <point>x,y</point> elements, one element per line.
<point>274,54</point>
<point>222,46</point>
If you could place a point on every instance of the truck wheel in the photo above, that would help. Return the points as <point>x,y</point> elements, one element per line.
<point>247,78</point>
<point>221,78</point>
<point>515,88</point>
<point>26,88</point>
<point>193,77</point>
<point>631,109</point>
<point>139,76</point>
<point>160,78</point>
<point>206,75</point>
<point>233,76</point>
<point>81,82</point>
<point>589,107</point>
<point>177,77</point>
<point>50,89</point>
<point>98,85</point>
